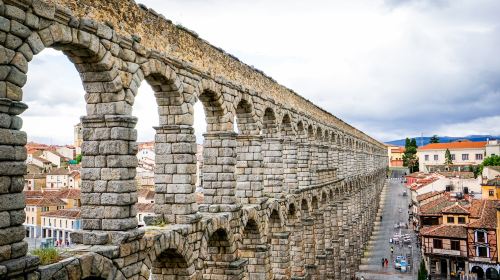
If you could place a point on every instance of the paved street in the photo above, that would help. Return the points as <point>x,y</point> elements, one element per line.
<point>394,209</point>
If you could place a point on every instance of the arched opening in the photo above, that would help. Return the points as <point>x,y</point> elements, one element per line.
<point>53,151</point>
<point>280,250</point>
<point>249,188</point>
<point>254,250</point>
<point>294,226</point>
<point>272,147</point>
<point>221,257</point>
<point>478,271</point>
<point>491,273</point>
<point>290,184</point>
<point>219,154</point>
<point>147,121</point>
<point>171,265</point>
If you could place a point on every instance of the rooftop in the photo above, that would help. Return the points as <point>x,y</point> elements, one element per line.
<point>70,213</point>
<point>445,230</point>
<point>454,145</point>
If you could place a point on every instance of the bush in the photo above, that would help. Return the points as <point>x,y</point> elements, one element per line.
<point>47,255</point>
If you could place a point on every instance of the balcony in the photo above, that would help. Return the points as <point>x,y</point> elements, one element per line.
<point>448,252</point>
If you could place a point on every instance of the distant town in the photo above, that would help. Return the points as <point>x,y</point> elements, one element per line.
<point>52,189</point>
<point>453,192</point>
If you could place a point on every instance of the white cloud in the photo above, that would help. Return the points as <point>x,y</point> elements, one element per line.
<point>392,68</point>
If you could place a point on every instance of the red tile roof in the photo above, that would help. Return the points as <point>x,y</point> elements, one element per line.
<point>455,209</point>
<point>488,216</point>
<point>454,145</point>
<point>428,195</point>
<point>44,201</point>
<point>448,231</point>
<point>71,213</point>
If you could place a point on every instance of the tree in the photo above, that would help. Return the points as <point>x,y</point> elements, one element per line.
<point>422,271</point>
<point>410,159</point>
<point>492,160</point>
<point>447,158</point>
<point>434,139</point>
<point>78,158</point>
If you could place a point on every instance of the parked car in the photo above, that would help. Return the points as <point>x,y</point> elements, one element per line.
<point>397,262</point>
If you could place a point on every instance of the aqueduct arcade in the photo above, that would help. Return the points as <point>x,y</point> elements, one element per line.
<point>291,194</point>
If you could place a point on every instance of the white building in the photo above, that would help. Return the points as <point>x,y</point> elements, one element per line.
<point>431,157</point>
<point>62,178</point>
<point>54,157</point>
<point>67,151</point>
<point>60,223</point>
<point>493,148</point>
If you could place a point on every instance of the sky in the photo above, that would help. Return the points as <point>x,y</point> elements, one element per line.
<point>391,68</point>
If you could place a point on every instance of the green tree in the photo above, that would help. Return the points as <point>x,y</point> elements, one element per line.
<point>447,158</point>
<point>78,158</point>
<point>410,159</point>
<point>422,271</point>
<point>434,139</point>
<point>492,160</point>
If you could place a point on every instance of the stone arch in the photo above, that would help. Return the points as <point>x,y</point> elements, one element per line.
<point>174,260</point>
<point>246,117</point>
<point>286,126</point>
<point>304,207</point>
<point>301,129</point>
<point>280,251</point>
<point>221,252</point>
<point>478,271</point>
<point>269,123</point>
<point>217,116</point>
<point>254,250</point>
<point>310,132</point>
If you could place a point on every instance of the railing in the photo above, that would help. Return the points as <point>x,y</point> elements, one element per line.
<point>448,252</point>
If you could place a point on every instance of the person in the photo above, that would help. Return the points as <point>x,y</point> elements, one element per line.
<point>392,250</point>
<point>386,263</point>
<point>383,262</point>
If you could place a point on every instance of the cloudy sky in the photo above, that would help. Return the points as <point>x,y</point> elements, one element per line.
<point>391,68</point>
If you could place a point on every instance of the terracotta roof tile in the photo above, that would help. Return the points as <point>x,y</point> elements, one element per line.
<point>70,213</point>
<point>44,201</point>
<point>455,209</point>
<point>428,195</point>
<point>454,145</point>
<point>488,218</point>
<point>447,231</point>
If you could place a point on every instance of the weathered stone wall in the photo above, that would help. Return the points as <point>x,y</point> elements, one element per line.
<point>282,197</point>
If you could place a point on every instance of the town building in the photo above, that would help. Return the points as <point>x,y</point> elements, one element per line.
<point>490,172</point>
<point>491,189</point>
<point>36,206</point>
<point>395,155</point>
<point>78,137</point>
<point>464,154</point>
<point>60,223</point>
<point>62,178</point>
<point>34,182</point>
<point>459,235</point>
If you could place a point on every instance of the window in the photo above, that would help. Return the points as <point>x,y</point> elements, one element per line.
<point>461,220</point>
<point>479,156</point>
<point>451,220</point>
<point>452,156</point>
<point>437,243</point>
<point>426,157</point>
<point>465,156</point>
<point>436,157</point>
<point>491,193</point>
<point>480,236</point>
<point>455,245</point>
<point>482,251</point>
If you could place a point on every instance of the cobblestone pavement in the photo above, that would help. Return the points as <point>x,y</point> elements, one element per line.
<point>393,209</point>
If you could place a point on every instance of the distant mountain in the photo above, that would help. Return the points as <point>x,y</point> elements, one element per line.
<point>443,139</point>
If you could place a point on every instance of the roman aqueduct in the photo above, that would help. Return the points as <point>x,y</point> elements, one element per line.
<point>292,195</point>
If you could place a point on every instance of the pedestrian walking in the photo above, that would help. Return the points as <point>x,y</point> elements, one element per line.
<point>383,262</point>
<point>386,263</point>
